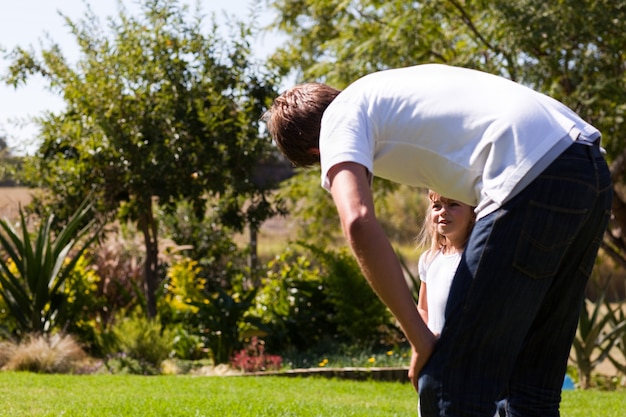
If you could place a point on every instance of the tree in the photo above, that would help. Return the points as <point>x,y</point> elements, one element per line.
<point>161,110</point>
<point>572,50</point>
<point>9,163</point>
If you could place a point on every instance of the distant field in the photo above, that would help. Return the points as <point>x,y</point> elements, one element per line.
<point>10,200</point>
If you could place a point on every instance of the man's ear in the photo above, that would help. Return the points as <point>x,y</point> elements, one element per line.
<point>314,151</point>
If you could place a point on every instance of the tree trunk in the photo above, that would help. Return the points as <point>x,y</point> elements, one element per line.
<point>584,375</point>
<point>149,229</point>
<point>253,257</point>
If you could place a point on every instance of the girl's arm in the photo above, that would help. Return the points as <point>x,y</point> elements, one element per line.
<point>422,303</point>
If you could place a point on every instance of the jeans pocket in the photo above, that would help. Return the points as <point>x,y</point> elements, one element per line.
<point>545,237</point>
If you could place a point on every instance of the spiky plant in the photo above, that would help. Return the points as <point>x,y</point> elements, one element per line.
<point>33,268</point>
<point>599,331</point>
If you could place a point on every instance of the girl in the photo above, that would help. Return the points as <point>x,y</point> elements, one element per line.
<point>446,228</point>
<point>445,231</point>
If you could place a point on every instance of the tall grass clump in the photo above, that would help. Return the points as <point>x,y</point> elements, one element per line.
<point>42,353</point>
<point>7,350</point>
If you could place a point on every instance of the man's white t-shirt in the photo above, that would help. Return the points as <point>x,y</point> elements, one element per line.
<point>437,272</point>
<point>471,136</point>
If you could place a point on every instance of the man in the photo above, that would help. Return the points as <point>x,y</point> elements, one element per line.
<point>534,171</point>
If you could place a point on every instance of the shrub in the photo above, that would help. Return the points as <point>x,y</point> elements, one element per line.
<point>56,353</point>
<point>254,359</point>
<point>123,364</point>
<point>361,316</point>
<point>220,318</point>
<point>138,337</point>
<point>118,261</point>
<point>210,320</point>
<point>83,304</point>
<point>186,345</point>
<point>293,305</point>
<point>183,284</point>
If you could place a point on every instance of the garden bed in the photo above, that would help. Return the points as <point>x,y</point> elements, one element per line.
<point>394,374</point>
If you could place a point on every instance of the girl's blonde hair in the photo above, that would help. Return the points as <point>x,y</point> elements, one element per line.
<point>429,237</point>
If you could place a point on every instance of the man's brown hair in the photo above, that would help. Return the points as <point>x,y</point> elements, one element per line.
<point>295,118</point>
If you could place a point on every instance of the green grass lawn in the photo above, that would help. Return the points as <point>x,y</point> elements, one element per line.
<point>32,395</point>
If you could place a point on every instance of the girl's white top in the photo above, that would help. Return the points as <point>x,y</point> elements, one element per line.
<point>437,272</point>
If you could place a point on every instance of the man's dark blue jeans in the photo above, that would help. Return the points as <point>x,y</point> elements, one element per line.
<point>516,297</point>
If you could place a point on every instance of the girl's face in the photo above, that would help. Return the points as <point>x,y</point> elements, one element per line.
<point>452,218</point>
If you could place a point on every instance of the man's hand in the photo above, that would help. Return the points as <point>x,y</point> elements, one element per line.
<point>418,360</point>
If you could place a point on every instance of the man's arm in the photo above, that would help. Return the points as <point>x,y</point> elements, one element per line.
<point>352,195</point>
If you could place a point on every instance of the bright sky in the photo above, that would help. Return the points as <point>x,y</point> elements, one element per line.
<point>27,22</point>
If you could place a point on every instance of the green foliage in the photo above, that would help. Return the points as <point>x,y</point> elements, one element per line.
<point>413,279</point>
<point>347,356</point>
<point>312,206</point>
<point>138,338</point>
<point>183,285</point>
<point>400,209</point>
<point>206,241</point>
<point>320,299</point>
<point>122,364</point>
<point>338,41</point>
<point>83,302</point>
<point>34,270</point>
<point>159,109</point>
<point>9,166</point>
<point>359,314</point>
<point>219,320</point>
<point>214,315</point>
<point>293,305</point>
<point>569,49</point>
<point>187,345</point>
<point>599,331</point>
<point>8,323</point>
<point>617,319</point>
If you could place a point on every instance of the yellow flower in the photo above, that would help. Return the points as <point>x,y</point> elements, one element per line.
<point>371,360</point>
<point>323,363</point>
<point>389,352</point>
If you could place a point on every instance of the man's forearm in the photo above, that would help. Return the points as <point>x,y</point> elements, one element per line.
<point>383,271</point>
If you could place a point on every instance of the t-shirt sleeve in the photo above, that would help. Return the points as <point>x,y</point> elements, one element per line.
<point>345,136</point>
<point>422,267</point>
